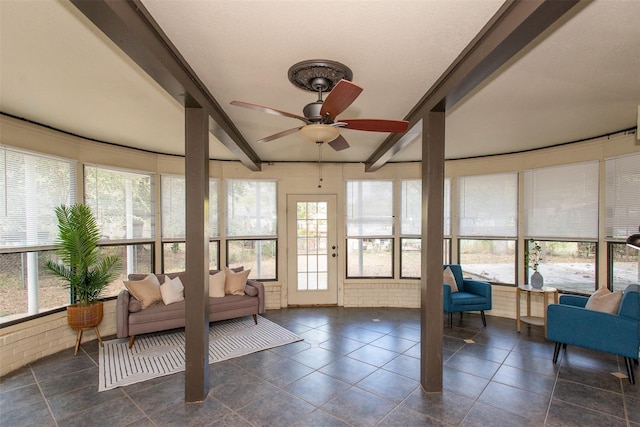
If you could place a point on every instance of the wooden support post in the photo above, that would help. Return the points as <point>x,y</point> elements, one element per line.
<point>432,233</point>
<point>197,248</point>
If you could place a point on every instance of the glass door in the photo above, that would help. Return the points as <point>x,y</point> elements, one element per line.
<point>312,250</point>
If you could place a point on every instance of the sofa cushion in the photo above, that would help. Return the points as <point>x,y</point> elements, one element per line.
<point>216,285</point>
<point>134,305</point>
<point>251,291</point>
<point>172,290</point>
<point>234,283</point>
<point>604,300</point>
<point>449,279</point>
<point>147,290</point>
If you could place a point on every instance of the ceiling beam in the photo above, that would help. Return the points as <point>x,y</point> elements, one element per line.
<point>513,27</point>
<point>130,26</point>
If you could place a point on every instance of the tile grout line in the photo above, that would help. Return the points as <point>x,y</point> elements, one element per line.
<point>46,401</point>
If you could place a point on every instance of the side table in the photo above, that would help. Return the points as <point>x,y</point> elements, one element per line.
<point>529,319</point>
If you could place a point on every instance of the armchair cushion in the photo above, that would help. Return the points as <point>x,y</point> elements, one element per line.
<point>604,300</point>
<point>449,279</point>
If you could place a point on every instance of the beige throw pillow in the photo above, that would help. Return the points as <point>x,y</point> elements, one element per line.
<point>172,290</point>
<point>234,283</point>
<point>147,290</point>
<point>449,279</point>
<point>216,285</point>
<point>605,300</point>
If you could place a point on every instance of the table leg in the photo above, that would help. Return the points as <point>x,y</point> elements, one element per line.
<point>518,309</point>
<point>544,315</point>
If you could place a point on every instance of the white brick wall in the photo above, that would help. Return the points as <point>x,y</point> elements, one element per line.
<point>272,296</point>
<point>26,342</point>
<point>406,295</point>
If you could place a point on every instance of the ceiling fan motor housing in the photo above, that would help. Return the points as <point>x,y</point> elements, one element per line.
<point>312,111</point>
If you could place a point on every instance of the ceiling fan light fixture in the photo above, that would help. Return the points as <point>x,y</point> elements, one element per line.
<point>634,240</point>
<point>319,132</point>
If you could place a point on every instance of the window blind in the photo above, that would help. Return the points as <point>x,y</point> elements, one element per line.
<point>122,201</point>
<point>488,205</point>
<point>251,208</point>
<point>31,187</point>
<point>173,201</point>
<point>369,208</point>
<point>622,196</point>
<point>411,207</point>
<point>562,202</point>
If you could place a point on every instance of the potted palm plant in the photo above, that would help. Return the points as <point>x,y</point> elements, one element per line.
<point>86,273</point>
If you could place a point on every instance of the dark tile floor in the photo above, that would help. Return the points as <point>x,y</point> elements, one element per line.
<point>355,367</point>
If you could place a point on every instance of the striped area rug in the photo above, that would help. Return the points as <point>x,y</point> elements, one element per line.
<point>155,355</point>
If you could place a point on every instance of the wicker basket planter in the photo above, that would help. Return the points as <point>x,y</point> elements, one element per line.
<point>85,317</point>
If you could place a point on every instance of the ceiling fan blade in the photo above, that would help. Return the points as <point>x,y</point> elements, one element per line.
<point>376,125</point>
<point>340,97</point>
<point>279,134</point>
<point>339,143</point>
<point>268,110</point>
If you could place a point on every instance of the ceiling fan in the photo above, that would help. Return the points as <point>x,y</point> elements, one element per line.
<point>320,117</point>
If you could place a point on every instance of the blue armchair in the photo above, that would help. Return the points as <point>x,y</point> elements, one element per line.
<point>570,323</point>
<point>472,295</point>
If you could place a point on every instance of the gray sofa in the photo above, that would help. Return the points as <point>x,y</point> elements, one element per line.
<point>132,320</point>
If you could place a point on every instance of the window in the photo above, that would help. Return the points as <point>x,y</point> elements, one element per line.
<point>566,265</point>
<point>624,266</point>
<point>123,202</point>
<point>31,187</point>
<point>136,258</point>
<point>487,224</point>
<point>369,222</point>
<point>174,256</point>
<point>35,185</point>
<point>562,202</point>
<point>622,219</point>
<point>561,212</point>
<point>252,226</point>
<point>491,260</point>
<point>411,226</point>
<point>173,201</point>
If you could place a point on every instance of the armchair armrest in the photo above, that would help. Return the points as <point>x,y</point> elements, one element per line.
<point>122,314</point>
<point>574,300</point>
<point>477,287</point>
<point>259,286</point>
<point>446,305</point>
<point>592,329</point>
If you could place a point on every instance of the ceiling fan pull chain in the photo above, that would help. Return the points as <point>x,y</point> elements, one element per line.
<point>319,163</point>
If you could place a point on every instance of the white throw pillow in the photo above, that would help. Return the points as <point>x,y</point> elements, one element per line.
<point>216,285</point>
<point>172,290</point>
<point>605,300</point>
<point>449,279</point>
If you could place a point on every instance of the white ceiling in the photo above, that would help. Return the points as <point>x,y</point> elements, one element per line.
<point>580,79</point>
